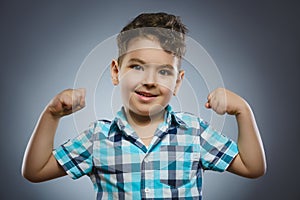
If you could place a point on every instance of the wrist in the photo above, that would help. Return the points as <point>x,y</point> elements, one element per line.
<point>244,108</point>
<point>49,114</point>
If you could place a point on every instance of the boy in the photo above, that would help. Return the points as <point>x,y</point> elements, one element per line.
<point>148,151</point>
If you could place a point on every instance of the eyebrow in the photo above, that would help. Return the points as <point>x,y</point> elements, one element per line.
<point>137,60</point>
<point>170,67</point>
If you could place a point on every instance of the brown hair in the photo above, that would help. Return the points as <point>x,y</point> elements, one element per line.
<point>166,28</point>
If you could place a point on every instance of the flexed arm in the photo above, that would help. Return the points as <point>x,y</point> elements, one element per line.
<point>39,163</point>
<point>250,162</point>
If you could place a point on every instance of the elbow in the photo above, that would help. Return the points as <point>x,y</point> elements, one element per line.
<point>31,179</point>
<point>257,173</point>
<point>29,176</point>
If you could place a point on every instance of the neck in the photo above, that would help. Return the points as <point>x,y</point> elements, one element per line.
<point>137,120</point>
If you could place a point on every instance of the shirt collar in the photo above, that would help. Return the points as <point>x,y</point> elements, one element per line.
<point>170,118</point>
<point>122,123</point>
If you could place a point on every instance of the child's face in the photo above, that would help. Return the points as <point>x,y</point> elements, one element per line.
<point>148,77</point>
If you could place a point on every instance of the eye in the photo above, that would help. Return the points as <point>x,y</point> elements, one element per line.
<point>165,72</point>
<point>136,67</point>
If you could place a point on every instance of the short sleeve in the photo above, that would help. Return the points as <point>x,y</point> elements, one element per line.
<point>75,156</point>
<point>217,150</point>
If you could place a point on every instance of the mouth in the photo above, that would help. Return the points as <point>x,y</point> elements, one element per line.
<point>145,94</point>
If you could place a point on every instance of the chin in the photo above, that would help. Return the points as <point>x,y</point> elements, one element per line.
<point>150,111</point>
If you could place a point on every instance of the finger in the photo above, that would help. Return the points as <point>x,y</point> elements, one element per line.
<point>219,110</point>
<point>214,104</point>
<point>207,105</point>
<point>209,96</point>
<point>82,102</point>
<point>78,99</point>
<point>82,91</point>
<point>83,95</point>
<point>219,107</point>
<point>66,101</point>
<point>77,108</point>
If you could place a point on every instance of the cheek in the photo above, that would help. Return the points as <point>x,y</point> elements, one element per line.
<point>125,90</point>
<point>167,91</point>
<point>128,83</point>
<point>168,86</point>
<point>129,79</point>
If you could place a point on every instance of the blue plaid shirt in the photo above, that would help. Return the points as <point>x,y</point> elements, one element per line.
<point>122,167</point>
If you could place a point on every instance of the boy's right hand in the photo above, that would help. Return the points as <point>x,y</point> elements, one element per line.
<point>67,102</point>
<point>39,163</point>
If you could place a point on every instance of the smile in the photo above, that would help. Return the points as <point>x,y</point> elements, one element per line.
<point>145,94</point>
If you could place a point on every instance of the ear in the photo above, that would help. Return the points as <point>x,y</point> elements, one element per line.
<point>178,82</point>
<point>114,72</point>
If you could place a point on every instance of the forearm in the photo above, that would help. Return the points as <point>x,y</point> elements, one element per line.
<point>250,145</point>
<point>40,146</point>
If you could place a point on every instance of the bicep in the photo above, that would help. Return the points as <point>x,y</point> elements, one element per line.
<point>237,167</point>
<point>51,170</point>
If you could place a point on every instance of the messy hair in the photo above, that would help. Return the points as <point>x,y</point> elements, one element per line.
<point>166,28</point>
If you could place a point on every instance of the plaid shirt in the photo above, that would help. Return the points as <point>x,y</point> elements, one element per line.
<point>122,167</point>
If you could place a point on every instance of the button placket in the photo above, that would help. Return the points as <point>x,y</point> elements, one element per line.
<point>146,166</point>
<point>146,159</point>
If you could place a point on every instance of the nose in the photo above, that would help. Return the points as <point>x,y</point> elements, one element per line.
<point>150,78</point>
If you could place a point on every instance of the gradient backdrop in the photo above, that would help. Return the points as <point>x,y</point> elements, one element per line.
<point>255,45</point>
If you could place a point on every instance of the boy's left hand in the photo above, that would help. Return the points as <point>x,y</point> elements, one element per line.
<point>224,101</point>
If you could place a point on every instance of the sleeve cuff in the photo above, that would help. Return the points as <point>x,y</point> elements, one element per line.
<point>64,160</point>
<point>227,157</point>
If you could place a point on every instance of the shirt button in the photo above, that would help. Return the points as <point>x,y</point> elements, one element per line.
<point>195,156</point>
<point>146,160</point>
<point>147,190</point>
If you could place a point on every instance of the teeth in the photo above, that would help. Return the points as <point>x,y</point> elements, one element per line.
<point>145,94</point>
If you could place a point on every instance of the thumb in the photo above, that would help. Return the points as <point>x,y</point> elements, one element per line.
<point>207,105</point>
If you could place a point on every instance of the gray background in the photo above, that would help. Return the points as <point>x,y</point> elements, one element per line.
<point>255,45</point>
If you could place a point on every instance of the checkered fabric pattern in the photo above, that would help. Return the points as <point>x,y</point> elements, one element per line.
<point>122,167</point>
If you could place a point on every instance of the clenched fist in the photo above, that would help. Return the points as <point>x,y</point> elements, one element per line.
<point>224,101</point>
<point>67,102</point>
